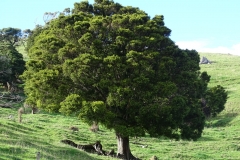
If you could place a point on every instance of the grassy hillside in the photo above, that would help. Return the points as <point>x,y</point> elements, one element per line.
<point>42,132</point>
<point>21,49</point>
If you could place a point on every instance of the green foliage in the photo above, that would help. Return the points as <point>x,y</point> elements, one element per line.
<point>71,104</point>
<point>5,68</point>
<point>216,98</point>
<point>10,35</point>
<point>130,76</point>
<point>12,63</point>
<point>31,35</point>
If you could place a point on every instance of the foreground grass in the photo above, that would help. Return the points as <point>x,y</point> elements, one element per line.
<point>43,132</point>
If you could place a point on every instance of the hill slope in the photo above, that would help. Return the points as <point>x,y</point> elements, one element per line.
<point>43,132</point>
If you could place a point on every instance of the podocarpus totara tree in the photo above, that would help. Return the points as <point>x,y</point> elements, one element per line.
<point>117,66</point>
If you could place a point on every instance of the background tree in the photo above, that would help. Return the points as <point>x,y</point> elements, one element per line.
<point>117,66</point>
<point>12,63</point>
<point>10,35</point>
<point>214,101</point>
<point>48,16</point>
<point>31,34</point>
<point>5,69</point>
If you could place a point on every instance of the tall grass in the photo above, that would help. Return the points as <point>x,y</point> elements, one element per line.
<point>43,132</point>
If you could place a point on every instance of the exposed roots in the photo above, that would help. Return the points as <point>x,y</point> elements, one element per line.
<point>91,148</point>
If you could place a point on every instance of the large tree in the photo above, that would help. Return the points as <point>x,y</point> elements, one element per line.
<point>117,66</point>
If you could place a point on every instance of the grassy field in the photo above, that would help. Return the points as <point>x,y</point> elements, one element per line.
<point>21,49</point>
<point>43,132</point>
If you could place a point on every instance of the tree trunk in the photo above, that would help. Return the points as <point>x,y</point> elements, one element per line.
<point>124,151</point>
<point>34,110</point>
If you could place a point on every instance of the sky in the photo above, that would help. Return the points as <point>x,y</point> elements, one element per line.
<point>204,25</point>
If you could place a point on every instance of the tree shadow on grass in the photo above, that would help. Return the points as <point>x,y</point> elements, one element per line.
<point>206,138</point>
<point>221,120</point>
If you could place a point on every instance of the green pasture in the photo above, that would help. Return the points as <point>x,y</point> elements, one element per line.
<point>43,132</point>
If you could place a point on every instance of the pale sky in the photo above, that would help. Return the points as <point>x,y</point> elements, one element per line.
<point>204,25</point>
